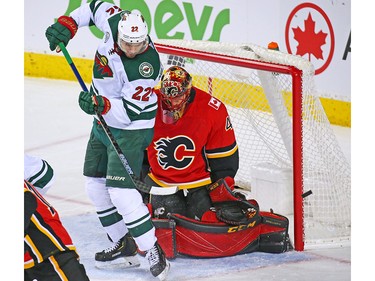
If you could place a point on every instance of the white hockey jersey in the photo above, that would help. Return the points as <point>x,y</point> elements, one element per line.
<point>38,172</point>
<point>127,83</point>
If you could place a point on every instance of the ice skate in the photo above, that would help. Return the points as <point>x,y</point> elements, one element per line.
<point>122,254</point>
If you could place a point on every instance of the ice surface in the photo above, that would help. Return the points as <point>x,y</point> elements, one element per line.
<point>57,130</point>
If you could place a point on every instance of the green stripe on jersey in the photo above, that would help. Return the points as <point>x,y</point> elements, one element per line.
<point>45,179</point>
<point>133,110</point>
<point>94,6</point>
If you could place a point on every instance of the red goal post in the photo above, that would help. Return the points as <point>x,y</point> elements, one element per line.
<point>289,156</point>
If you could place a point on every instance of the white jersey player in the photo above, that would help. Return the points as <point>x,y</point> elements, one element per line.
<point>126,69</point>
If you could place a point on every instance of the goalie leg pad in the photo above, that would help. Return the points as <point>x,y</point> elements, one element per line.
<point>162,205</point>
<point>274,237</point>
<point>198,202</point>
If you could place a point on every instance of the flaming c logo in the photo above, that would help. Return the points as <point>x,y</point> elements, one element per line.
<point>309,33</point>
<point>167,152</point>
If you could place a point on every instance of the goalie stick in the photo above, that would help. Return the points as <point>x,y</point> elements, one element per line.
<point>141,186</point>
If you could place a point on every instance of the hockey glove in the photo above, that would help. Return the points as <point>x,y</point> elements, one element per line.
<point>61,31</point>
<point>88,101</point>
<point>238,212</point>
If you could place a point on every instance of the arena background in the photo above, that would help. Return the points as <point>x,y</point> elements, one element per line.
<point>321,27</point>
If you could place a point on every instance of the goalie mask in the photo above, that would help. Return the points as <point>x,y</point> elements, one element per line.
<point>132,34</point>
<point>175,89</point>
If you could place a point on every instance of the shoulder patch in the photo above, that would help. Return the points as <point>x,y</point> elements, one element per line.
<point>101,67</point>
<point>214,103</point>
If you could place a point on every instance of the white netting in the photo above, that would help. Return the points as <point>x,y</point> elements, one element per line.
<point>260,106</point>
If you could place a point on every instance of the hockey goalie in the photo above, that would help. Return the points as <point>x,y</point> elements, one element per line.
<point>233,226</point>
<point>194,147</point>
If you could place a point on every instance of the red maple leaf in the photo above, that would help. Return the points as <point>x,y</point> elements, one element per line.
<point>309,42</point>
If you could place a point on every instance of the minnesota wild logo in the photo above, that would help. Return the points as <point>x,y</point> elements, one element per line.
<point>146,69</point>
<point>101,67</point>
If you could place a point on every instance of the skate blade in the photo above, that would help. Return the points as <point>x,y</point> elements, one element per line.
<point>119,263</point>
<point>163,275</point>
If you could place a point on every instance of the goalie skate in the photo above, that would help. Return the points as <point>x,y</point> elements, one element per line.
<point>122,254</point>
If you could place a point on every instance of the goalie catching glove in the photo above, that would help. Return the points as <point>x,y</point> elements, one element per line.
<point>237,212</point>
<point>61,31</point>
<point>231,207</point>
<point>88,102</point>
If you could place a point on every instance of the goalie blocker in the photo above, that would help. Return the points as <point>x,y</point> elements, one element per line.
<point>233,226</point>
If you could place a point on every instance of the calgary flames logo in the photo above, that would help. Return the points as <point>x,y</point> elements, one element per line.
<point>173,152</point>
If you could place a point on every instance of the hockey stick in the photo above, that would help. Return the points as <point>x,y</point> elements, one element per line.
<point>141,186</point>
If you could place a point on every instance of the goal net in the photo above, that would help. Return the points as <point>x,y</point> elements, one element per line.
<point>290,159</point>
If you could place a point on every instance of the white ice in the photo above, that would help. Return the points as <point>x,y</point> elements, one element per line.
<point>57,130</point>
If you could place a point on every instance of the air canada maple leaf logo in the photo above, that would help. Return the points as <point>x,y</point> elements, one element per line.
<point>309,33</point>
<point>309,41</point>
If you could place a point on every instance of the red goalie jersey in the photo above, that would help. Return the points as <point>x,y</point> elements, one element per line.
<point>196,150</point>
